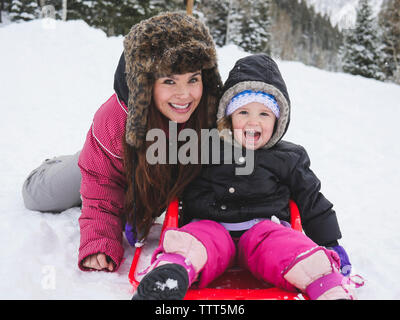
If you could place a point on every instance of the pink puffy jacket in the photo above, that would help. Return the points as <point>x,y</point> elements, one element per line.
<point>103,184</point>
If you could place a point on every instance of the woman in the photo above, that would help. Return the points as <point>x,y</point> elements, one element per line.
<point>168,72</point>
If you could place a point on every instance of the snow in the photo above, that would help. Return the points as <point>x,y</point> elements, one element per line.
<point>169,283</point>
<point>342,13</point>
<point>52,80</point>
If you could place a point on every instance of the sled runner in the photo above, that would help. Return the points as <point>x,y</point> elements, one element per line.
<point>235,284</point>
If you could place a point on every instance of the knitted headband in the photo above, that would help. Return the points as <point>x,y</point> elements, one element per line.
<point>249,96</point>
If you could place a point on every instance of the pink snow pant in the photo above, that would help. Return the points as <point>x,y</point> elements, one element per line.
<point>268,250</point>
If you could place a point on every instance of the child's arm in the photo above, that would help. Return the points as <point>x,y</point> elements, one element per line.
<point>318,218</point>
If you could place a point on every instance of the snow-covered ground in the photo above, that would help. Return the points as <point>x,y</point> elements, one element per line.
<point>53,77</point>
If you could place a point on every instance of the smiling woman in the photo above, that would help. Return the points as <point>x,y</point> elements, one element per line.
<point>167,72</point>
<point>178,96</point>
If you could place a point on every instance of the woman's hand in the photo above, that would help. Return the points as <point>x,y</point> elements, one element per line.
<point>98,261</point>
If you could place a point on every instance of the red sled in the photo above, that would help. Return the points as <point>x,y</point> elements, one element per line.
<point>235,284</point>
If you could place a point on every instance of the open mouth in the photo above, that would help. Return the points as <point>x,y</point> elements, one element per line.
<point>181,108</point>
<point>252,135</point>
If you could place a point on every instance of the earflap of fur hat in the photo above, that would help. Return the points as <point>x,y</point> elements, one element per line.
<point>140,98</point>
<point>213,85</point>
<point>167,44</point>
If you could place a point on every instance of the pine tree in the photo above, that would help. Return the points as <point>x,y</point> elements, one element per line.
<point>113,17</point>
<point>253,26</point>
<point>24,10</point>
<point>4,7</point>
<point>216,16</point>
<point>299,33</point>
<point>241,22</point>
<point>389,21</point>
<point>361,51</point>
<point>236,11</point>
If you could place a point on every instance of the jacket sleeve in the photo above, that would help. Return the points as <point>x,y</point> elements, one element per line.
<point>317,216</point>
<point>103,193</point>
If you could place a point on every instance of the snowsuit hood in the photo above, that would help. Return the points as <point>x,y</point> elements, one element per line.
<point>257,72</point>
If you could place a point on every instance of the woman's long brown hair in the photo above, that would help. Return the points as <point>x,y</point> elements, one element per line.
<point>151,187</point>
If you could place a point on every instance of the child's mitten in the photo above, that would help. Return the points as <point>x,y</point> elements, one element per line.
<point>345,265</point>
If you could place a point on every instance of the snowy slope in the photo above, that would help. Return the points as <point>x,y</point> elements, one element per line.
<point>53,79</point>
<point>342,12</point>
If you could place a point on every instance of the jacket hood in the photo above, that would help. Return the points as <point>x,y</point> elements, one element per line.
<point>259,73</point>
<point>120,86</point>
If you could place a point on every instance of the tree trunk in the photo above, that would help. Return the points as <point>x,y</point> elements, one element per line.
<point>189,7</point>
<point>64,10</point>
<point>1,8</point>
<point>228,21</point>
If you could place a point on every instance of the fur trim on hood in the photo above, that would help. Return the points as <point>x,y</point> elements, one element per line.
<point>257,72</point>
<point>167,44</point>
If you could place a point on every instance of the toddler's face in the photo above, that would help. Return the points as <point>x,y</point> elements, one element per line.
<point>253,125</point>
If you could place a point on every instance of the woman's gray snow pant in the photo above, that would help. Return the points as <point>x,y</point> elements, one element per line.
<point>54,186</point>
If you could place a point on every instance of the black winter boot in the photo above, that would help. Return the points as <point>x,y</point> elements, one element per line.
<point>167,282</point>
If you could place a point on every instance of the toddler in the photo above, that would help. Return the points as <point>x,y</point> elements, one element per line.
<point>227,215</point>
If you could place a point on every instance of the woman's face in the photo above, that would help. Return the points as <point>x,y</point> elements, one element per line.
<point>177,96</point>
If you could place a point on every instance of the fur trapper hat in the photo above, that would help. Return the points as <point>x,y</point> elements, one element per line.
<point>167,44</point>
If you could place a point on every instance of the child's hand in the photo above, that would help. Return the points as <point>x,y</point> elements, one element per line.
<point>98,261</point>
<point>345,265</point>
